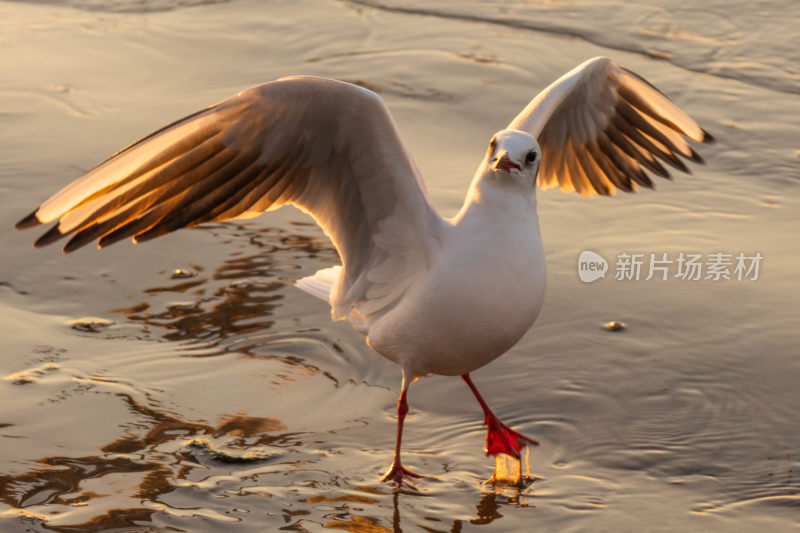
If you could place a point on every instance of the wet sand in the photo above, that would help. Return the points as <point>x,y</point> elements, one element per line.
<point>225,399</point>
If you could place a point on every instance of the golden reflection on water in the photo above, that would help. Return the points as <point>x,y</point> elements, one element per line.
<point>508,471</point>
<point>132,466</point>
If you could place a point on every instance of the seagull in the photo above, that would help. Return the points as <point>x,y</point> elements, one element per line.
<point>434,295</point>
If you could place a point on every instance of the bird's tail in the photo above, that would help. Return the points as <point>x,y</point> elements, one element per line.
<point>321,283</point>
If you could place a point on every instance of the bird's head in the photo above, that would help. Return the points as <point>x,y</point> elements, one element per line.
<point>513,157</point>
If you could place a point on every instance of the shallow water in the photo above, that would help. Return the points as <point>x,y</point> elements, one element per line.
<point>222,398</point>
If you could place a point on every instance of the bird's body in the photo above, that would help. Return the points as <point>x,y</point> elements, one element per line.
<point>481,294</point>
<point>434,295</point>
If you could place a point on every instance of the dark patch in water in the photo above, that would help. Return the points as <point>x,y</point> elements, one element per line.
<point>13,288</point>
<point>227,456</point>
<point>250,292</point>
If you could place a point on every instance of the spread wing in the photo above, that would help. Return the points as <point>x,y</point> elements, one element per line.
<point>327,147</point>
<point>599,127</point>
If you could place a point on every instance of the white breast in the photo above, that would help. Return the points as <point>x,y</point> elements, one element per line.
<point>479,298</point>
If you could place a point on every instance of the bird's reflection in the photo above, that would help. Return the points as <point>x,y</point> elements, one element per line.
<point>487,509</point>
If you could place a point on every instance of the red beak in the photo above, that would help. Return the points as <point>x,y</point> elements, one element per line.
<point>505,163</point>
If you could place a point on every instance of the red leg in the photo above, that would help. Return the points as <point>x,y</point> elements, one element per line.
<point>499,438</point>
<point>396,472</point>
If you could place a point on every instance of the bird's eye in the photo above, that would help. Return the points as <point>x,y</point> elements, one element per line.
<point>530,158</point>
<point>492,144</point>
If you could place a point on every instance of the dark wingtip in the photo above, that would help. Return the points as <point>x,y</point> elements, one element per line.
<point>695,157</point>
<point>708,138</point>
<point>29,221</point>
<point>52,235</point>
<point>74,243</point>
<point>152,233</point>
<point>658,169</point>
<point>681,166</point>
<point>110,238</point>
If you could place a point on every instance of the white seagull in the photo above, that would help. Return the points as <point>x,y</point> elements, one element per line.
<point>434,295</point>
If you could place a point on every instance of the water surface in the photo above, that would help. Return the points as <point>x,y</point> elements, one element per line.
<point>222,398</point>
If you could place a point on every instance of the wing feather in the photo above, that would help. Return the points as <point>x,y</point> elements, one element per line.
<point>600,126</point>
<point>327,147</point>
<point>198,164</point>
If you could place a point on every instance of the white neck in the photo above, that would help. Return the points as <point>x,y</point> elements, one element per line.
<point>487,195</point>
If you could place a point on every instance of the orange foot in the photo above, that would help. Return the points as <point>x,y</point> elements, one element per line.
<point>398,474</point>
<point>502,439</point>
